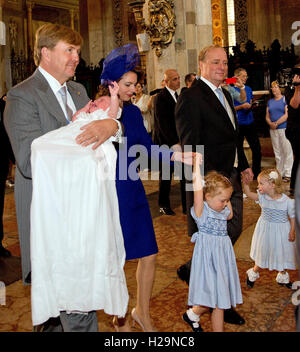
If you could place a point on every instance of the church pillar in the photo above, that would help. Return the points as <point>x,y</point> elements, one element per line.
<point>72,14</point>
<point>204,23</point>
<point>30,6</point>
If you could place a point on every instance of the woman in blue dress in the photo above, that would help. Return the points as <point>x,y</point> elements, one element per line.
<point>135,216</point>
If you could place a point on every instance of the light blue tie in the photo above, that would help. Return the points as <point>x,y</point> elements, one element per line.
<point>63,93</point>
<point>221,97</point>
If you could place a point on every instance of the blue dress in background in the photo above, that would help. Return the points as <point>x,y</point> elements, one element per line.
<point>135,216</point>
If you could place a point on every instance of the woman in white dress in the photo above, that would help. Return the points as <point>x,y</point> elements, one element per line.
<point>141,101</point>
<point>273,241</point>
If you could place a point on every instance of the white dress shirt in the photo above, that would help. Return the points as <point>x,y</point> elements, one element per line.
<point>172,92</point>
<point>56,86</point>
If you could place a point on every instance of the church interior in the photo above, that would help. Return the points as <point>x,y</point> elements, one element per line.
<point>262,36</point>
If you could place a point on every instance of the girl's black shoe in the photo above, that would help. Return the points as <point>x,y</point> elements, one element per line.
<point>193,324</point>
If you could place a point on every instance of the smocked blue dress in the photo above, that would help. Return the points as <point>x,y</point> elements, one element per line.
<point>135,216</point>
<point>270,246</point>
<point>214,280</point>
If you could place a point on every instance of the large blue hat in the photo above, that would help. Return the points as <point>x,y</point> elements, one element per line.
<point>118,62</point>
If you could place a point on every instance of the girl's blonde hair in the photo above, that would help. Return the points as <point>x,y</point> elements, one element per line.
<point>273,176</point>
<point>215,183</point>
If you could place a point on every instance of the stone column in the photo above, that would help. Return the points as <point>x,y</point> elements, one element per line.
<point>190,45</point>
<point>30,6</point>
<point>72,14</point>
<point>2,66</point>
<point>95,20</point>
<point>204,23</point>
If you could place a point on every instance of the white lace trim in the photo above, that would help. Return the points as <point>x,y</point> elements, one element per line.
<point>283,278</point>
<point>252,275</point>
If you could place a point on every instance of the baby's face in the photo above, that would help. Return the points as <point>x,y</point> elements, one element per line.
<point>101,103</point>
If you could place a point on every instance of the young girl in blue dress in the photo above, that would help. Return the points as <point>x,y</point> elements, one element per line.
<point>273,241</point>
<point>214,280</point>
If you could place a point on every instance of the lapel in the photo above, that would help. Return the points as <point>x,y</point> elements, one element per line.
<point>49,99</point>
<point>230,102</point>
<point>169,97</point>
<point>76,95</point>
<point>215,103</point>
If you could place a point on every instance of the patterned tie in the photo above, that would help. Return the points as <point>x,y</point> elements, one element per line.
<point>221,97</point>
<point>63,93</point>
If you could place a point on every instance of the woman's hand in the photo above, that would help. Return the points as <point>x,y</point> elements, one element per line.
<point>247,175</point>
<point>97,132</point>
<point>113,88</point>
<point>273,125</point>
<point>247,106</point>
<point>292,236</point>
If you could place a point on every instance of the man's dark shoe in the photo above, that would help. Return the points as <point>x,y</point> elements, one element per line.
<point>249,283</point>
<point>28,278</point>
<point>5,253</point>
<point>231,316</point>
<point>183,273</point>
<point>166,211</point>
<point>193,324</point>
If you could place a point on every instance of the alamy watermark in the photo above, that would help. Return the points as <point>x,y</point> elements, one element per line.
<point>154,157</point>
<point>2,293</point>
<point>296,36</point>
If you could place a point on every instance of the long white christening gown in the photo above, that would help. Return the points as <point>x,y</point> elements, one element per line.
<point>77,249</point>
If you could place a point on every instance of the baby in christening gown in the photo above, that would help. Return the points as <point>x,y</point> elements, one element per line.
<point>77,249</point>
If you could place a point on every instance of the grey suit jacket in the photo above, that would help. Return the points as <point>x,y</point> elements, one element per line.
<point>31,111</point>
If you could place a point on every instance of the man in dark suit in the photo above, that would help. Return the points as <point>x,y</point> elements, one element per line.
<point>205,116</point>
<point>165,134</point>
<point>35,107</point>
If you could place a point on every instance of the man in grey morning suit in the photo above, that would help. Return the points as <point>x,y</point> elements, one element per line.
<point>35,107</point>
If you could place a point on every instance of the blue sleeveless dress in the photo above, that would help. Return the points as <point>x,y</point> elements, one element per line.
<point>135,216</point>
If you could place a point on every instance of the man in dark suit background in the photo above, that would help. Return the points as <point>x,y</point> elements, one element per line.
<point>205,116</point>
<point>165,134</point>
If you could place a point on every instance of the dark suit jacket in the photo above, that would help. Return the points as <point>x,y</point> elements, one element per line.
<point>202,120</point>
<point>164,119</point>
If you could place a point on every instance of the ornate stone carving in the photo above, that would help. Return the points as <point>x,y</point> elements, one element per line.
<point>241,21</point>
<point>162,22</point>
<point>13,32</point>
<point>118,21</point>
